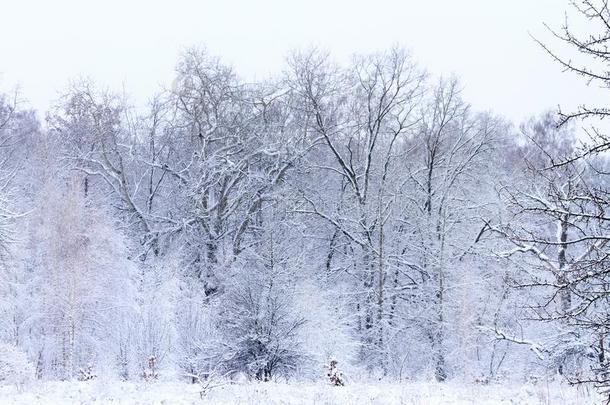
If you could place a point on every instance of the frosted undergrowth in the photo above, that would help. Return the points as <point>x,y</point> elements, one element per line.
<point>175,393</point>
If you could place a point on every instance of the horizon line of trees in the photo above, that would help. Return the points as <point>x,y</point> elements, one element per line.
<point>362,212</point>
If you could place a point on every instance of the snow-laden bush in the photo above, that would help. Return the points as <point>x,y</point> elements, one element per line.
<point>262,332</point>
<point>14,366</point>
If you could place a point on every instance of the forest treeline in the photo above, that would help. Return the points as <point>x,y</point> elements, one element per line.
<point>362,212</point>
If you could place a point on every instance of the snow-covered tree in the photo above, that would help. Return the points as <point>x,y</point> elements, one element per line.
<point>82,281</point>
<point>15,368</point>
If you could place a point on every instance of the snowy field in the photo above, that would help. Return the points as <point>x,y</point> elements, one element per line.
<point>100,392</point>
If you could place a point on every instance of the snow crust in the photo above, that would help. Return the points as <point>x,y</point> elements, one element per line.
<point>178,393</point>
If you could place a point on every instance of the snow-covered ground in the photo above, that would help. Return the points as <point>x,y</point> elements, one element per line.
<point>104,392</point>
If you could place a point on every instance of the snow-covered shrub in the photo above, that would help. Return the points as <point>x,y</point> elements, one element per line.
<point>262,333</point>
<point>259,320</point>
<point>335,376</point>
<point>86,373</point>
<point>151,373</point>
<point>14,366</point>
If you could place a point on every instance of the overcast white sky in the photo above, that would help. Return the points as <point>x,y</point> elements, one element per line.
<point>135,43</point>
